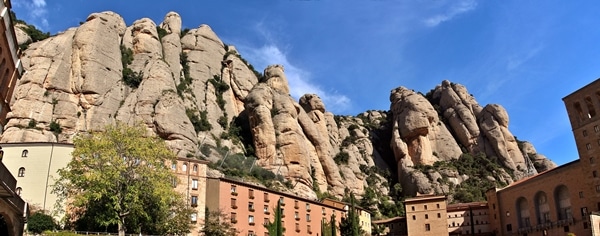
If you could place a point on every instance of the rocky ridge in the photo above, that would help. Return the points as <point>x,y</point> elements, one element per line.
<point>206,101</point>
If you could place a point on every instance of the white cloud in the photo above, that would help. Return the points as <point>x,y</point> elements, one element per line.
<point>298,78</point>
<point>37,12</point>
<point>455,9</point>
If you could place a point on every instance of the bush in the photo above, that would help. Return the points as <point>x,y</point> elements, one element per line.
<point>341,158</point>
<point>200,123</point>
<point>161,32</point>
<point>55,127</point>
<point>39,222</point>
<point>32,124</point>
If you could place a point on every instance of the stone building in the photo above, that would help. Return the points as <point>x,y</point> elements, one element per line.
<point>469,219</point>
<point>191,182</point>
<point>35,166</point>
<point>249,207</point>
<point>13,210</point>
<point>395,226</point>
<point>10,62</point>
<point>426,215</point>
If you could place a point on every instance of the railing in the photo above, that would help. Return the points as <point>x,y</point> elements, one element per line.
<point>7,178</point>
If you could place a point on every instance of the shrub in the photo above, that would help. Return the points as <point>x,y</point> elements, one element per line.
<point>32,124</point>
<point>341,158</point>
<point>161,32</point>
<point>223,121</point>
<point>55,127</point>
<point>200,123</point>
<point>39,222</point>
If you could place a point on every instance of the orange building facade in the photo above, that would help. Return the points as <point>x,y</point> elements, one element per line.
<point>249,207</point>
<point>10,65</point>
<point>426,215</point>
<point>191,183</point>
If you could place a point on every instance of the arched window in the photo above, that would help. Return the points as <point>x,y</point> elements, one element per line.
<point>184,167</point>
<point>24,153</point>
<point>590,106</point>
<point>523,212</point>
<point>563,202</point>
<point>577,107</point>
<point>542,209</point>
<point>195,168</point>
<point>18,191</point>
<point>21,172</point>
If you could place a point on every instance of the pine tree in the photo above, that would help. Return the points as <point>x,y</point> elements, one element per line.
<point>350,224</point>
<point>275,228</point>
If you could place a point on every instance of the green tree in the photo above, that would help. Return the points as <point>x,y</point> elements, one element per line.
<point>217,224</point>
<point>349,225</point>
<point>39,222</point>
<point>276,228</point>
<point>328,228</point>
<point>119,177</point>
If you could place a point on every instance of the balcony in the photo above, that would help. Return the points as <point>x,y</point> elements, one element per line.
<point>8,182</point>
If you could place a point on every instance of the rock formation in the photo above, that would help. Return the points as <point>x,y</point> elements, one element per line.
<point>196,93</point>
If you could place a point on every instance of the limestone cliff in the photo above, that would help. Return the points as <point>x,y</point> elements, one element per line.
<point>206,101</point>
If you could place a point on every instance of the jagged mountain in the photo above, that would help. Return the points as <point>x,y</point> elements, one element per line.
<point>206,101</point>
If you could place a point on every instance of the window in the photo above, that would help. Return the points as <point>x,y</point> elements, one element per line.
<point>194,184</point>
<point>266,197</point>
<point>233,217</point>
<point>412,208</point>
<point>194,217</point>
<point>591,160</point>
<point>426,216</point>
<point>439,215</point>
<point>281,202</point>
<point>598,188</point>
<point>595,174</point>
<point>21,172</point>
<point>307,207</point>
<point>566,229</point>
<point>251,233</point>
<point>233,203</point>
<point>174,166</point>
<point>323,210</point>
<point>307,217</point>
<point>233,190</point>
<point>184,167</point>
<point>251,206</point>
<point>584,211</point>
<point>414,217</point>
<point>251,219</point>
<point>174,182</point>
<point>296,216</point>
<point>24,153</point>
<point>266,221</point>
<point>297,227</point>
<point>18,191</point>
<point>251,193</point>
<point>195,168</point>
<point>588,146</point>
<point>194,201</point>
<point>308,229</point>
<point>494,206</point>
<point>585,133</point>
<point>296,204</point>
<point>427,227</point>
<point>425,207</point>
<point>581,194</point>
<point>437,205</point>
<point>509,227</point>
<point>585,225</point>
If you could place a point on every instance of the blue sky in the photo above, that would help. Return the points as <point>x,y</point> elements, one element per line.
<point>524,55</point>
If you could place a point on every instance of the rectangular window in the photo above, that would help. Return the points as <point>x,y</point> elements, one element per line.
<point>588,146</point>
<point>425,207</point>
<point>297,227</point>
<point>194,184</point>
<point>323,210</point>
<point>509,227</point>
<point>427,227</point>
<point>596,129</point>
<point>251,219</point>
<point>233,188</point>
<point>266,221</point>
<point>584,133</point>
<point>233,203</point>
<point>308,229</point>
<point>591,160</point>
<point>251,206</point>
<point>251,233</point>
<point>251,193</point>
<point>296,204</point>
<point>233,217</point>
<point>194,201</point>
<point>194,217</point>
<point>281,201</point>
<point>414,217</point>
<point>296,216</point>
<point>266,197</point>
<point>307,217</point>
<point>438,206</point>
<point>307,207</point>
<point>426,216</point>
<point>580,194</point>
<point>439,215</point>
<point>598,188</point>
<point>584,211</point>
<point>266,209</point>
